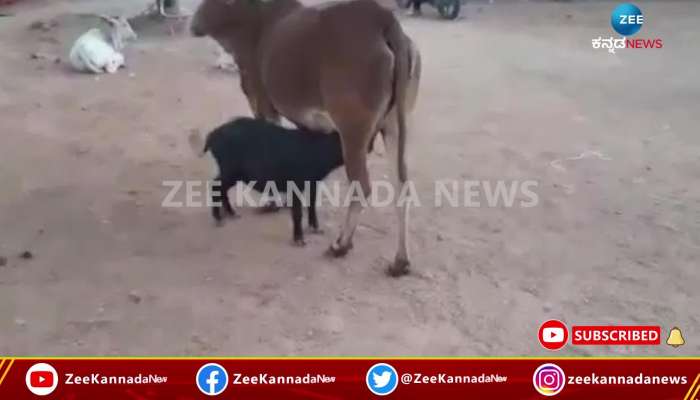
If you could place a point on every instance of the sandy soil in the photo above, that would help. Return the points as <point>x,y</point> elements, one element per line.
<point>506,92</point>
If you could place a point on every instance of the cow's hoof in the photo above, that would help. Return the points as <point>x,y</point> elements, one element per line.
<point>400,267</point>
<point>299,242</point>
<point>316,231</point>
<point>337,251</point>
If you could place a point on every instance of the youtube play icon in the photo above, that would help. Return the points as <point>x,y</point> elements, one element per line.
<point>41,379</point>
<point>553,335</point>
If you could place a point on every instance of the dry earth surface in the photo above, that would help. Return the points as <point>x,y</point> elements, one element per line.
<point>507,91</point>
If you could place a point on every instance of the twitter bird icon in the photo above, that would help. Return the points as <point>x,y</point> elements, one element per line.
<point>382,379</point>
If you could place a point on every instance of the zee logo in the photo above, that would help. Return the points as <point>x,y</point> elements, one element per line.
<point>627,19</point>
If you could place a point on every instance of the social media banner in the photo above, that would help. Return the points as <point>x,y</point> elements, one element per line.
<point>350,378</point>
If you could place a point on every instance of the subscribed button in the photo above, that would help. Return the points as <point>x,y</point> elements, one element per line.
<point>616,335</point>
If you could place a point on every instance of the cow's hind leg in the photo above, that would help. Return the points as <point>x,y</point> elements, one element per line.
<point>391,139</point>
<point>313,218</point>
<point>356,137</point>
<point>356,96</point>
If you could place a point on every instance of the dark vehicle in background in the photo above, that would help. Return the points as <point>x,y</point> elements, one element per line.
<point>448,9</point>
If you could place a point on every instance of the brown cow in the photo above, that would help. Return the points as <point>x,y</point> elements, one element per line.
<point>345,66</point>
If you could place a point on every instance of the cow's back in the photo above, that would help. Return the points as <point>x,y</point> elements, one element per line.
<point>326,49</point>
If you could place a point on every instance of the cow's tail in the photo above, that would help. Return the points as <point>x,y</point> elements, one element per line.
<point>398,42</point>
<point>197,144</point>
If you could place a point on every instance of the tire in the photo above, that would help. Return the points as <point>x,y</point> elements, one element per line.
<point>448,9</point>
<point>403,4</point>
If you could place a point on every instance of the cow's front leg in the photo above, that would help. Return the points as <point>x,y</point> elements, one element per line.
<point>260,105</point>
<point>249,91</point>
<point>261,108</point>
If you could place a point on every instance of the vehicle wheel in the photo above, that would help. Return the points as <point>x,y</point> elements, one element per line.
<point>403,4</point>
<point>448,9</point>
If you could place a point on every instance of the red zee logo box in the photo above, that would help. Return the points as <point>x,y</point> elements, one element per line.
<point>616,335</point>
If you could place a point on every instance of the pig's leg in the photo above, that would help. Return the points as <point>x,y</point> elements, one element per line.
<point>217,200</point>
<point>296,221</point>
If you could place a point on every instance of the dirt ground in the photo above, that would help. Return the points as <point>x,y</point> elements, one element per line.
<point>506,92</point>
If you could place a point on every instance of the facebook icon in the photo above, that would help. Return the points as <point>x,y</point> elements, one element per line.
<point>212,379</point>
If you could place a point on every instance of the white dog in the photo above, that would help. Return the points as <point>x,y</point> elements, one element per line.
<point>97,52</point>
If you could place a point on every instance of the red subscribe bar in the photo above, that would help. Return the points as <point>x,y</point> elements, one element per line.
<point>616,335</point>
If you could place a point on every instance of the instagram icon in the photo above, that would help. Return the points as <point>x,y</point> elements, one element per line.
<point>549,379</point>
